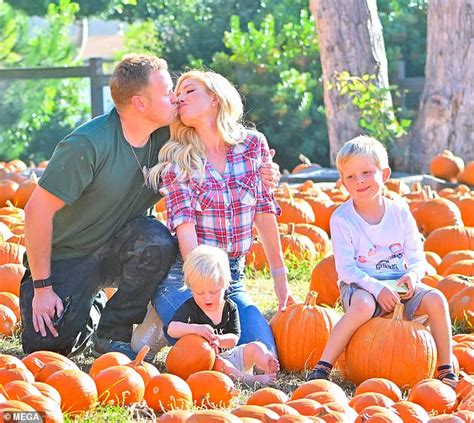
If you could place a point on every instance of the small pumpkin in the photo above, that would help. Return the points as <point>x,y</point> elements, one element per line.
<point>108,360</point>
<point>8,321</point>
<point>433,395</point>
<point>211,389</point>
<point>144,369</point>
<point>166,392</point>
<point>265,396</point>
<point>446,165</point>
<point>17,389</point>
<point>381,386</point>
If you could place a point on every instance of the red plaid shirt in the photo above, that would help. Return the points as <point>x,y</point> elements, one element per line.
<point>223,207</point>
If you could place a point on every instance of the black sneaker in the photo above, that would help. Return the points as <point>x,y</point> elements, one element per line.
<point>318,373</point>
<point>104,345</point>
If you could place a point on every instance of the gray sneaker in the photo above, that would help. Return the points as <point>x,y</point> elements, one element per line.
<point>104,345</point>
<point>149,332</point>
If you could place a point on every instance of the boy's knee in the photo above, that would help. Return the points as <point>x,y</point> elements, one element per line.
<point>364,306</point>
<point>435,301</point>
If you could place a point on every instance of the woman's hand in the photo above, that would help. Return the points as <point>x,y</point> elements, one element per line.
<point>282,291</point>
<point>270,173</point>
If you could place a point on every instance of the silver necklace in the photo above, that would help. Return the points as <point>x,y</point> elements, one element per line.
<point>144,169</point>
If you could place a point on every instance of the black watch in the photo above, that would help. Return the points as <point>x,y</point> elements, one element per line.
<point>41,283</point>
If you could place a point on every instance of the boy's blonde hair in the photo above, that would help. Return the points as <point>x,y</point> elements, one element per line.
<point>207,266</point>
<point>363,146</point>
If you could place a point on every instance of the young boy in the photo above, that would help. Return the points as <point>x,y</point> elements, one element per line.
<point>379,258</point>
<point>210,314</point>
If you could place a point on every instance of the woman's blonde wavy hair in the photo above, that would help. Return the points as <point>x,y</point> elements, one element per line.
<point>184,148</point>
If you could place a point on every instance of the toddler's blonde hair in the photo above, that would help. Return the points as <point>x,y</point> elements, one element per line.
<point>363,146</point>
<point>207,266</point>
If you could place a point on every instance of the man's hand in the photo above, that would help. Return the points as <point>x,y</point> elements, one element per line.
<point>388,299</point>
<point>406,280</point>
<point>270,172</point>
<point>282,292</point>
<point>44,306</point>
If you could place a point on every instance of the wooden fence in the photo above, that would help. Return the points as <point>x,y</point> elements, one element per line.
<point>94,72</point>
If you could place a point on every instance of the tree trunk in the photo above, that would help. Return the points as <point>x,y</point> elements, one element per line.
<point>351,39</point>
<point>445,116</point>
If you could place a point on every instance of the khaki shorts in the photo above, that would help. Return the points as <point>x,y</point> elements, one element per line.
<point>410,305</point>
<point>236,357</point>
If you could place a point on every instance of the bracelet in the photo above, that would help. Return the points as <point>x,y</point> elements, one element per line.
<point>279,271</point>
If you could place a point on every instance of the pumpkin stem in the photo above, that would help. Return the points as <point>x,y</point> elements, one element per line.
<point>141,356</point>
<point>398,312</point>
<point>291,228</point>
<point>311,299</point>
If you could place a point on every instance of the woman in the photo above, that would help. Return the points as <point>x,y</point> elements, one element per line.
<point>209,174</point>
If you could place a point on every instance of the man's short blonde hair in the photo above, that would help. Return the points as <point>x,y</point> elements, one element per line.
<point>363,146</point>
<point>207,266</point>
<point>131,76</point>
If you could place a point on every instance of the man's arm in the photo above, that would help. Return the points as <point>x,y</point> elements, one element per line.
<point>39,213</point>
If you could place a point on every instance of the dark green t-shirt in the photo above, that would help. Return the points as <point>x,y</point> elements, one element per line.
<point>94,171</point>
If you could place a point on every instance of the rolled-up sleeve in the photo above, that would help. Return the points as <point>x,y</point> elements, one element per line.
<point>266,202</point>
<point>178,201</point>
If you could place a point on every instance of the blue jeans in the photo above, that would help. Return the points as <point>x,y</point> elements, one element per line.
<point>172,293</point>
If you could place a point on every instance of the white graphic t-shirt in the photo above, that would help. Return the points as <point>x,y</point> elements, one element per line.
<point>369,254</point>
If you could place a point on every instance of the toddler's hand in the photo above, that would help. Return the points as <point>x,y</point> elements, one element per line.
<point>207,332</point>
<point>406,280</point>
<point>388,299</point>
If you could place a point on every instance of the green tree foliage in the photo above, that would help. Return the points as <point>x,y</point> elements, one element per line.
<point>277,69</point>
<point>36,114</point>
<point>40,7</point>
<point>404,29</point>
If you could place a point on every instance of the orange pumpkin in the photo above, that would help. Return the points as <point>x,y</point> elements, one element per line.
<point>295,351</point>
<point>433,259</point>
<point>50,410</point>
<point>297,245</point>
<point>452,284</point>
<point>306,406</point>
<point>381,386</point>
<point>317,235</point>
<point>294,210</point>
<point>7,359</point>
<point>48,391</point>
<point>370,353</point>
<point>436,213</point>
<point>213,416</point>
<point>77,389</point>
<point>166,392</point>
<point>265,396</point>
<point>467,175</point>
<point>12,302</point>
<point>10,277</point>
<point>282,409</point>
<point>433,395</point>
<point>17,389</point>
<point>175,416</point>
<point>462,267</point>
<point>324,282</point>
<point>144,369</point>
<point>257,412</point>
<point>465,355</point>
<point>53,366</point>
<point>461,307</point>
<point>11,372</point>
<point>119,385</point>
<point>8,188</point>
<point>24,191</point>
<point>7,321</point>
<point>444,240</point>
<point>108,360</point>
<point>452,257</point>
<point>411,412</point>
<point>211,388</point>
<point>35,360</point>
<point>366,399</point>
<point>11,253</point>
<point>319,385</point>
<point>183,364</point>
<point>431,280</point>
<point>446,165</point>
<point>323,397</point>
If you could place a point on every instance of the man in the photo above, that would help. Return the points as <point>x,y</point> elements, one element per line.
<point>85,226</point>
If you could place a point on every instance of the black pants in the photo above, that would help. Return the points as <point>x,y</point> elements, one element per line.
<point>135,260</point>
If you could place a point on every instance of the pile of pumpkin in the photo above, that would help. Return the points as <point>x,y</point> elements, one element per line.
<point>52,385</point>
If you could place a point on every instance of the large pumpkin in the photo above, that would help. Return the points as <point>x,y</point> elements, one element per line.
<point>294,210</point>
<point>446,165</point>
<point>450,238</point>
<point>324,282</point>
<point>36,360</point>
<point>452,284</point>
<point>436,213</point>
<point>297,245</point>
<point>301,333</point>
<point>10,277</point>
<point>395,349</point>
<point>191,354</point>
<point>452,257</point>
<point>11,253</point>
